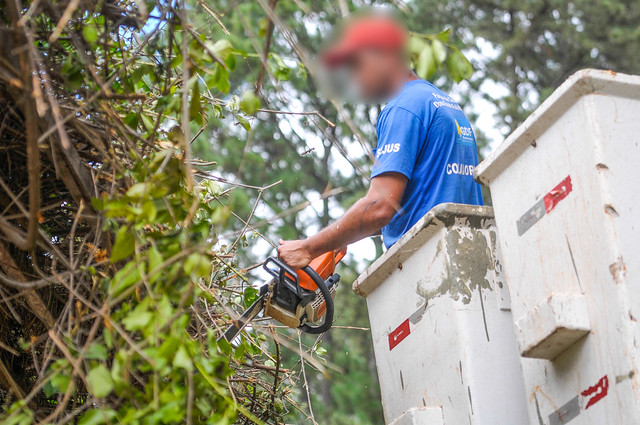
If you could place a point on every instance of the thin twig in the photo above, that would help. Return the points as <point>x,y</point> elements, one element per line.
<point>304,376</point>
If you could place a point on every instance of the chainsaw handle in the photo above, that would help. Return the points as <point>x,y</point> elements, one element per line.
<point>328,299</point>
<point>282,273</point>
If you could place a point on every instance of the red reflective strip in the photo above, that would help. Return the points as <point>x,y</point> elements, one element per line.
<point>400,333</point>
<point>557,194</point>
<point>598,392</point>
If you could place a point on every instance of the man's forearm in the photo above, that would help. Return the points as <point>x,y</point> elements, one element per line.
<point>365,218</point>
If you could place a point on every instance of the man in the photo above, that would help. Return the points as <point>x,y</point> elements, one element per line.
<point>426,149</point>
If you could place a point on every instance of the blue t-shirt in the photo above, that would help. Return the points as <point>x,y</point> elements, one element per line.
<point>423,134</point>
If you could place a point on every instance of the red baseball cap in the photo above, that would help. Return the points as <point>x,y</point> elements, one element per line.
<point>379,32</point>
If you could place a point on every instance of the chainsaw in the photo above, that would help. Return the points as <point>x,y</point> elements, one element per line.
<point>295,299</point>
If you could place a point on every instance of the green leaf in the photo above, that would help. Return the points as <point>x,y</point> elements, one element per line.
<point>131,120</point>
<point>124,279</point>
<point>197,265</point>
<point>281,71</point>
<point>148,122</point>
<point>90,33</point>
<point>240,351</point>
<point>22,418</point>
<point>230,61</point>
<point>96,351</point>
<point>182,359</point>
<point>426,63</point>
<point>243,122</point>
<point>59,383</point>
<point>458,66</point>
<point>98,203</point>
<point>249,102</point>
<point>48,389</point>
<point>416,44</point>
<point>195,108</point>
<point>138,319</point>
<point>149,211</point>
<point>138,190</point>
<point>439,51</point>
<point>97,416</point>
<point>155,259</point>
<point>222,83</point>
<point>221,48</point>
<point>263,25</point>
<point>99,381</point>
<point>250,295</point>
<point>124,246</point>
<point>444,36</point>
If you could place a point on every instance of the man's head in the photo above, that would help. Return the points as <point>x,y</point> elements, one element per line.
<point>373,49</point>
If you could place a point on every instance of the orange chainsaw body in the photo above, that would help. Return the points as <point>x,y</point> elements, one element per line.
<point>324,265</point>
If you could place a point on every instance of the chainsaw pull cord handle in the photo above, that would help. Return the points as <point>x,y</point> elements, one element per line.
<point>324,290</point>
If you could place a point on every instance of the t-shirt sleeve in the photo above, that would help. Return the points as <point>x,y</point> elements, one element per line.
<point>400,135</point>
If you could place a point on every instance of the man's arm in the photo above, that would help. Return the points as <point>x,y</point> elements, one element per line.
<point>364,218</point>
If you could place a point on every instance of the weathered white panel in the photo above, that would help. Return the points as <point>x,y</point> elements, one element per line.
<point>443,336</point>
<point>564,189</point>
<point>421,416</point>
<point>552,326</point>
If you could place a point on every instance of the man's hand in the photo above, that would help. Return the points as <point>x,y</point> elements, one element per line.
<point>295,254</point>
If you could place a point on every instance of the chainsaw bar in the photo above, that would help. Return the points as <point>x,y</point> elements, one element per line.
<point>249,314</point>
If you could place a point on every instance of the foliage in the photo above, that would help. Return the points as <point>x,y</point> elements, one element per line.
<point>429,53</point>
<point>113,300</point>
<point>524,51</point>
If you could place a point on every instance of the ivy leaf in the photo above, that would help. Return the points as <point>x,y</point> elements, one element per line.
<point>124,246</point>
<point>99,381</point>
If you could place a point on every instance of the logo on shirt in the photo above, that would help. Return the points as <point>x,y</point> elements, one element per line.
<point>460,169</point>
<point>390,148</point>
<point>465,134</point>
<point>445,101</point>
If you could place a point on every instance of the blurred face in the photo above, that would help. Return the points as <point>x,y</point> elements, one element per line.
<point>373,72</point>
